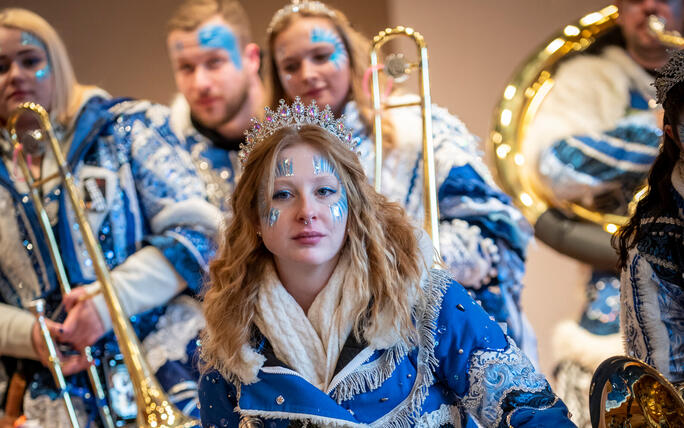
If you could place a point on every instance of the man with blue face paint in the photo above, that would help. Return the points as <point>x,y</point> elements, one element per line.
<point>592,142</point>
<point>216,68</point>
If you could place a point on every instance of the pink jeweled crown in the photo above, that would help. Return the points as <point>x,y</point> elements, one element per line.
<point>295,116</point>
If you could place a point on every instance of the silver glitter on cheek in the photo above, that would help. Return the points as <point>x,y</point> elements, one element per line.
<point>339,209</point>
<point>288,77</point>
<point>285,168</point>
<point>273,216</point>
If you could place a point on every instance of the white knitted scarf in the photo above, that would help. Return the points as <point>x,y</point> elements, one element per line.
<point>308,343</point>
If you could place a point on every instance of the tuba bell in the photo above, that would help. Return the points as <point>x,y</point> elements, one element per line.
<point>523,95</point>
<point>30,130</point>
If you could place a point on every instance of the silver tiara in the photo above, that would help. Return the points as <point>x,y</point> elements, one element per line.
<point>669,75</point>
<point>297,6</point>
<point>295,116</point>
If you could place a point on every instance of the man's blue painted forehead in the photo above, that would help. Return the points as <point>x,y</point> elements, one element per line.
<point>217,36</point>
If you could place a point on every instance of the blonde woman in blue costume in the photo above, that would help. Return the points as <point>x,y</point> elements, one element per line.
<point>314,53</point>
<point>323,309</point>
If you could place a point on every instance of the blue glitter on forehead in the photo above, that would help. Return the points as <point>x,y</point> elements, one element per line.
<point>30,39</point>
<point>321,165</point>
<point>219,36</point>
<point>285,168</point>
<point>324,35</point>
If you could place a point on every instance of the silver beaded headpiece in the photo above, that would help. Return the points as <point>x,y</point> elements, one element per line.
<point>295,116</point>
<point>669,75</point>
<point>297,6</point>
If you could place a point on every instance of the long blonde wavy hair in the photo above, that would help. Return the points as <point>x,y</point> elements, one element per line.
<point>358,49</point>
<point>381,245</point>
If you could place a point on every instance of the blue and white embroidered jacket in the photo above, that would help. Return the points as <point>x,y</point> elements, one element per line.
<point>148,211</point>
<point>652,292</point>
<point>483,237</point>
<point>595,136</point>
<point>218,167</point>
<point>464,366</point>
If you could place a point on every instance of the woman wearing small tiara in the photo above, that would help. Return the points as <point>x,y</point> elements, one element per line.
<point>323,308</point>
<point>651,246</point>
<point>313,53</point>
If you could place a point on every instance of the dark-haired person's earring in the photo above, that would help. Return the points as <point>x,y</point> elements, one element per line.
<point>258,234</point>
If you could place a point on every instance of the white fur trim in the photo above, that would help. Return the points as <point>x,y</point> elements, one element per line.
<point>180,116</point>
<point>195,212</point>
<point>572,342</point>
<point>180,324</point>
<point>446,414</point>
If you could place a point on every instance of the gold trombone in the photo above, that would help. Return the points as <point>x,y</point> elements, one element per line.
<point>397,67</point>
<point>154,409</point>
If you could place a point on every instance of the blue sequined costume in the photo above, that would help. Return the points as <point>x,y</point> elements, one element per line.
<point>652,290</point>
<point>592,142</point>
<point>464,366</point>
<point>483,237</point>
<point>148,210</point>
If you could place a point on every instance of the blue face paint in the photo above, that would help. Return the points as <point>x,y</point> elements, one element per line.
<point>30,39</point>
<point>322,165</point>
<point>285,168</point>
<point>273,216</point>
<point>323,35</point>
<point>220,37</point>
<point>339,209</point>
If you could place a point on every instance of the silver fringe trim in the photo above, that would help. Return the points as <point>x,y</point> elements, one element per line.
<point>370,376</point>
<point>407,412</point>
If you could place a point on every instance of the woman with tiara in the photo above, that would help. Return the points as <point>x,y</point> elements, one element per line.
<point>146,207</point>
<point>651,247</point>
<point>324,307</point>
<point>313,53</point>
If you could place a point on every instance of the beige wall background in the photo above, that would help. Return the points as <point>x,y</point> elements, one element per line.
<point>474,47</point>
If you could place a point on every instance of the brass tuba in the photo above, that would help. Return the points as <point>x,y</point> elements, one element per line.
<point>30,128</point>
<point>398,68</point>
<point>588,241</point>
<point>626,392</point>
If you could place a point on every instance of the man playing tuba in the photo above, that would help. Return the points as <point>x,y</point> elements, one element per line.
<point>592,143</point>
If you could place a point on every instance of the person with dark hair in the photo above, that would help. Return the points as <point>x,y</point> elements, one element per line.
<point>323,307</point>
<point>651,244</point>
